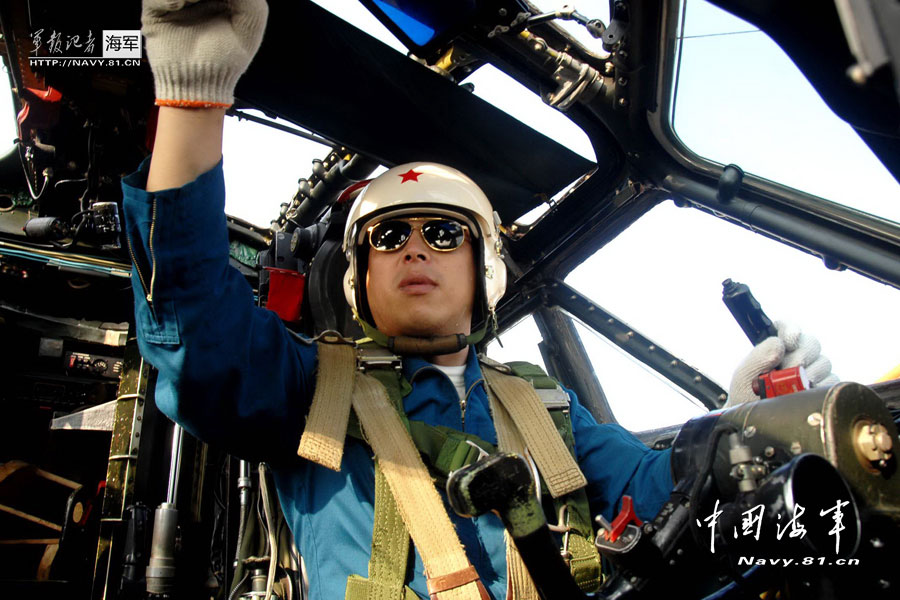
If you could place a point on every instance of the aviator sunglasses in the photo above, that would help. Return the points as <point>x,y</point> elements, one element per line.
<point>441,234</point>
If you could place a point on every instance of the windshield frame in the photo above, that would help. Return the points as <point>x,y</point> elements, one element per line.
<point>859,225</point>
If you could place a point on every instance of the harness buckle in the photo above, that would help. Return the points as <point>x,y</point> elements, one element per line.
<point>564,552</point>
<point>377,358</point>
<point>535,474</point>
<point>562,521</point>
<point>482,453</point>
<point>330,336</point>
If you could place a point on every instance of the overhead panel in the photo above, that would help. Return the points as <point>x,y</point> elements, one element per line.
<point>320,72</point>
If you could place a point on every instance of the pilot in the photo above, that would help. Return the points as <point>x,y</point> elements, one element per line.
<point>425,275</point>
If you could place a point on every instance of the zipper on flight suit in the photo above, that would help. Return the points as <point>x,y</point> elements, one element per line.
<point>464,402</point>
<point>462,411</point>
<point>148,292</point>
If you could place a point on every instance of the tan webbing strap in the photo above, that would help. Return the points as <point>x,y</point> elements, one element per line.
<point>323,436</point>
<point>413,490</point>
<point>561,472</point>
<point>519,585</point>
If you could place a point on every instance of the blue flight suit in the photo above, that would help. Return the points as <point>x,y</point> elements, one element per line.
<point>231,374</point>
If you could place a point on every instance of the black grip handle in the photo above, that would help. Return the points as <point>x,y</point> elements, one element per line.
<point>503,483</point>
<point>747,311</point>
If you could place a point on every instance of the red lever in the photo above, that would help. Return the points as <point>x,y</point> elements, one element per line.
<point>779,383</point>
<point>625,516</point>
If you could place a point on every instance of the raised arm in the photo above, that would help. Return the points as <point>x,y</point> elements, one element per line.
<point>229,372</point>
<point>188,143</point>
<point>197,49</point>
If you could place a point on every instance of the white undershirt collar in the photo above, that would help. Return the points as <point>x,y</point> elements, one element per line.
<point>457,377</point>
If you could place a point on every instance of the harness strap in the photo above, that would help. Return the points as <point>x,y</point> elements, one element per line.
<point>578,542</point>
<point>519,585</point>
<point>358,589</point>
<point>527,412</point>
<point>414,493</point>
<point>401,474</point>
<point>532,373</point>
<point>444,449</point>
<point>584,562</point>
<point>518,582</point>
<point>578,548</point>
<point>390,552</point>
<point>322,441</point>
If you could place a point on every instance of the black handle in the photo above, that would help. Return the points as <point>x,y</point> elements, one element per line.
<point>502,483</point>
<point>747,311</point>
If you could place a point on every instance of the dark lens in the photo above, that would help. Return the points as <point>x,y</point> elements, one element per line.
<point>443,234</point>
<point>389,235</point>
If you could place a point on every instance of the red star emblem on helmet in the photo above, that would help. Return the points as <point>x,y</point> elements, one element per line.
<point>409,176</point>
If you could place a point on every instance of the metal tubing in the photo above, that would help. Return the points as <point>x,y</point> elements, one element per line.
<point>175,465</point>
<point>358,167</point>
<point>279,126</point>
<point>881,262</point>
<point>244,482</point>
<point>161,567</point>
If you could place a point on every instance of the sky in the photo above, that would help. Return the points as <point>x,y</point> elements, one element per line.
<point>740,100</point>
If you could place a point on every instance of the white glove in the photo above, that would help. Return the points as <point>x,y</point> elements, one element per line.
<point>199,48</point>
<point>791,348</point>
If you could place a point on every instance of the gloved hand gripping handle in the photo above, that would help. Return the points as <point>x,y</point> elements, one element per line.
<point>784,360</point>
<point>502,483</point>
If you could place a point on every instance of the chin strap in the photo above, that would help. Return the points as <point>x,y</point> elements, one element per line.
<point>427,346</point>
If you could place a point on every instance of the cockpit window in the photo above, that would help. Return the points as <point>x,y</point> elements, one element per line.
<point>510,96</point>
<point>263,165</point>
<point>357,15</point>
<point>663,275</point>
<point>287,157</point>
<point>735,81</point>
<point>7,113</point>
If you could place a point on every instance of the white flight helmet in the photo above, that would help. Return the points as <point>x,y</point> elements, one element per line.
<point>423,188</point>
